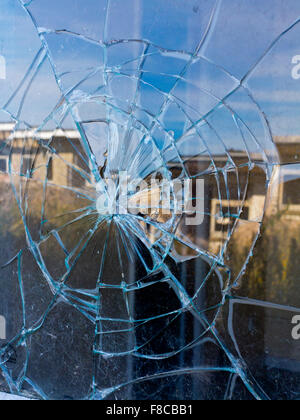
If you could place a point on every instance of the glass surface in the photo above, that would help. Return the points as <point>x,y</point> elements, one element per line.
<point>150,205</point>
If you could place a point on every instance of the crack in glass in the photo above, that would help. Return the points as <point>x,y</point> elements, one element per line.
<point>131,105</point>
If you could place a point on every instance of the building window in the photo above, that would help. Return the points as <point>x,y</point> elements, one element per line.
<point>27,166</point>
<point>74,178</point>
<point>3,165</point>
<point>50,170</point>
<point>291,192</point>
<point>229,213</point>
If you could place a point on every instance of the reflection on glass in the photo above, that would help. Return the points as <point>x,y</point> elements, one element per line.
<point>149,179</point>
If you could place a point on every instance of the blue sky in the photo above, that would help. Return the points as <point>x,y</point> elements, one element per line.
<point>242,33</point>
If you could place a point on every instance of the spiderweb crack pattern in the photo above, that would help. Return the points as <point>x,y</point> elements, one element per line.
<point>145,109</point>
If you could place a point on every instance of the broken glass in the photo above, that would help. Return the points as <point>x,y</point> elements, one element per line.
<point>149,168</point>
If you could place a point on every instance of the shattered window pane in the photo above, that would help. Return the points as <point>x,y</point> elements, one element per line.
<point>149,178</point>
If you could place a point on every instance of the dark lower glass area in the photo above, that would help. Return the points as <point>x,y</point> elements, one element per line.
<point>149,199</point>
